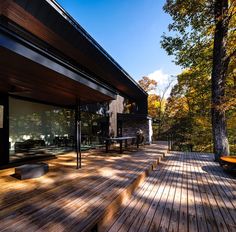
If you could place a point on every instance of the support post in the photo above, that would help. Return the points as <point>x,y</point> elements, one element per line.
<point>80,158</point>
<point>171,142</point>
<point>78,134</point>
<point>168,139</point>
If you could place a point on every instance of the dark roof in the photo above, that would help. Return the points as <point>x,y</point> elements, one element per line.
<point>89,54</point>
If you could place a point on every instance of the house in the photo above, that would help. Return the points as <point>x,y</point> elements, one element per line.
<point>52,74</point>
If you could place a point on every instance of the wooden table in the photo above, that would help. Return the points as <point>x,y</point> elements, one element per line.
<point>120,140</point>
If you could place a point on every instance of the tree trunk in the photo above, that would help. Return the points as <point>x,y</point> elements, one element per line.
<point>219,73</point>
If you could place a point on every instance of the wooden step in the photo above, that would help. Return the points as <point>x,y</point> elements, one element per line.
<point>74,200</point>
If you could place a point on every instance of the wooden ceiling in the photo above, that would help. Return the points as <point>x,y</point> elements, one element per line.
<point>22,77</point>
<point>48,24</point>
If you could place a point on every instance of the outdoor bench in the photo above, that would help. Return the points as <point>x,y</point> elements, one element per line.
<point>228,163</point>
<point>28,171</point>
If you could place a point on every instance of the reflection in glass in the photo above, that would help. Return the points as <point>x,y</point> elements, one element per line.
<point>38,129</point>
<point>95,124</point>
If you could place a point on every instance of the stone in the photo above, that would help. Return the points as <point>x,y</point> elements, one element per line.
<point>130,127</point>
<point>28,171</point>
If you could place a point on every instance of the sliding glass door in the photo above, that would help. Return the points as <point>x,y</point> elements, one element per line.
<point>39,129</point>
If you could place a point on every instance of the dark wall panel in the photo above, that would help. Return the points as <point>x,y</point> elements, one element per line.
<point>4,131</point>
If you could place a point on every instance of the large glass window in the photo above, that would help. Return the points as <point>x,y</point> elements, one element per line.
<point>95,124</point>
<point>38,129</point>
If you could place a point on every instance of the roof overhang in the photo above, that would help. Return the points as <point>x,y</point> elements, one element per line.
<point>29,72</point>
<point>50,23</point>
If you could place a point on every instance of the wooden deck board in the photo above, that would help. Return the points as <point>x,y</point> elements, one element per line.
<point>200,212</point>
<point>167,213</point>
<point>158,203</point>
<point>66,199</point>
<point>143,206</point>
<point>149,217</point>
<point>194,195</point>
<point>132,203</point>
<point>186,192</point>
<point>222,201</point>
<point>123,214</point>
<point>174,220</point>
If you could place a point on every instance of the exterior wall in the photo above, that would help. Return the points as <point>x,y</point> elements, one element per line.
<point>142,105</point>
<point>130,127</point>
<point>116,106</point>
<point>4,129</point>
<point>109,79</point>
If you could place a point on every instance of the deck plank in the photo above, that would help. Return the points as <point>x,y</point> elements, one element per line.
<point>166,216</point>
<point>224,205</point>
<point>70,199</point>
<point>174,220</point>
<point>135,203</point>
<point>196,196</point>
<point>136,224</point>
<point>183,219</point>
<point>192,215</point>
<point>160,207</point>
<point>185,192</point>
<point>200,213</point>
<point>157,192</point>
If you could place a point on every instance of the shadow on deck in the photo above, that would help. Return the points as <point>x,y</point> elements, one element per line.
<point>187,192</point>
<point>66,199</point>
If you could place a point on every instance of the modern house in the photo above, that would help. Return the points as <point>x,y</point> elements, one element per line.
<point>52,74</point>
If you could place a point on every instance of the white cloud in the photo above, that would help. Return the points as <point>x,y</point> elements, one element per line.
<point>159,76</point>
<point>162,79</point>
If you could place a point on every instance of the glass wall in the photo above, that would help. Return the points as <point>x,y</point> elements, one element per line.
<point>95,124</point>
<point>38,129</point>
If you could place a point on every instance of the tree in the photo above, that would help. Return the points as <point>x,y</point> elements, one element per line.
<point>147,84</point>
<point>150,85</point>
<point>204,39</point>
<point>188,111</point>
<point>156,102</point>
<point>161,109</point>
<point>219,74</point>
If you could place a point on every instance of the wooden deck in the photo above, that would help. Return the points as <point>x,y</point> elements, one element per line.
<point>187,192</point>
<point>66,199</point>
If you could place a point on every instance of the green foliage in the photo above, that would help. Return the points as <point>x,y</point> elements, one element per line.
<point>190,40</point>
<point>156,103</point>
<point>150,85</point>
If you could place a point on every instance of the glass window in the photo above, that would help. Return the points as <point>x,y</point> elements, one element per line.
<point>39,129</point>
<point>95,124</point>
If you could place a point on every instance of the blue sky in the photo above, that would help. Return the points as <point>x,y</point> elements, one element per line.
<point>130,31</point>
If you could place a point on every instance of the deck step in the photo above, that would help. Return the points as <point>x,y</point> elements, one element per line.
<point>187,192</point>
<point>67,199</point>
<point>124,196</point>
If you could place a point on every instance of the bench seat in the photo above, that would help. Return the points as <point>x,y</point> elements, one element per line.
<point>228,163</point>
<point>28,171</point>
